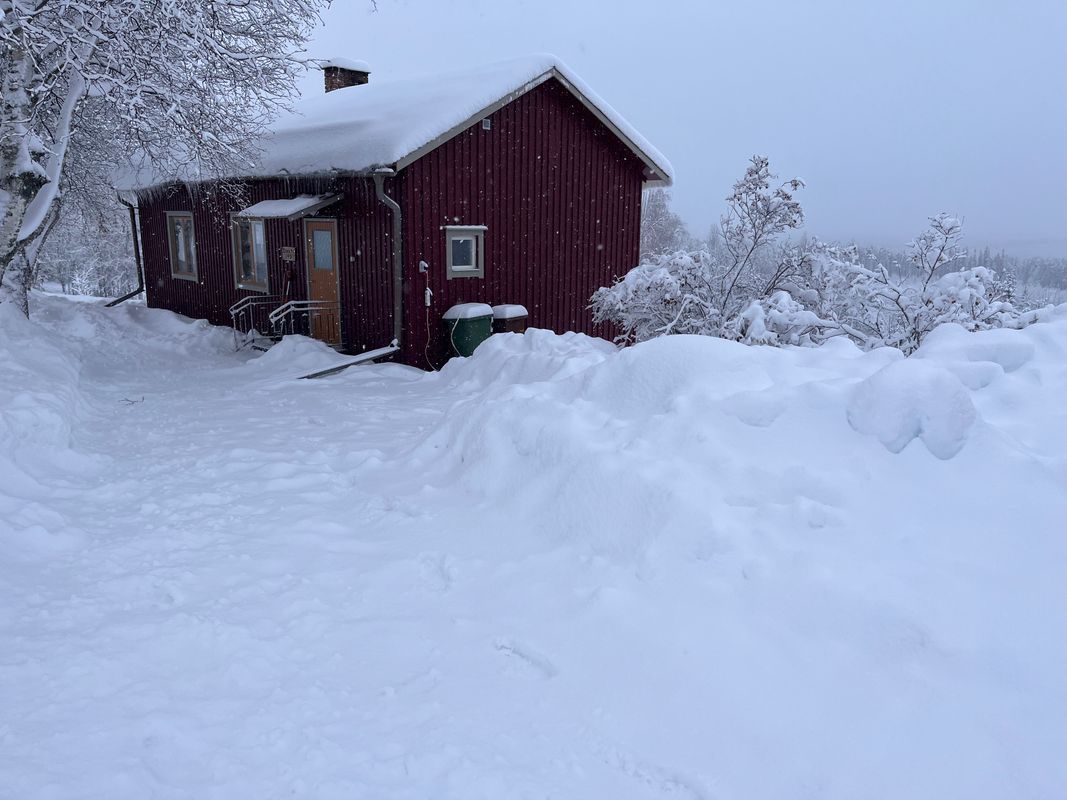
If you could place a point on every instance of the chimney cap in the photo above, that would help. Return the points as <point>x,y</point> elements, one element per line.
<point>351,64</point>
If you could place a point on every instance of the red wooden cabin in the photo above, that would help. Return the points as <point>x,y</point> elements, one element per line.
<point>512,184</point>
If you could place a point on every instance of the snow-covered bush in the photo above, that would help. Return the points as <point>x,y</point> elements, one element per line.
<point>671,294</point>
<point>901,311</point>
<point>708,292</point>
<point>756,289</point>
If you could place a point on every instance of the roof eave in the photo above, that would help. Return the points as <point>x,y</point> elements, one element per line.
<point>653,171</point>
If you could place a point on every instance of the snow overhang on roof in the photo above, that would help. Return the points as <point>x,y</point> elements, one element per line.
<point>353,64</point>
<point>291,209</point>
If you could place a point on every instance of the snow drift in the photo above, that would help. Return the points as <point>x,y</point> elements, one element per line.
<point>553,569</point>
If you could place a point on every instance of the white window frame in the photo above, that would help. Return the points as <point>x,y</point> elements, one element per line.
<point>190,246</point>
<point>235,241</point>
<point>475,233</point>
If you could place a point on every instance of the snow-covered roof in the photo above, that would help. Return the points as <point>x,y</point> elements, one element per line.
<point>391,123</point>
<point>290,208</point>
<point>345,63</point>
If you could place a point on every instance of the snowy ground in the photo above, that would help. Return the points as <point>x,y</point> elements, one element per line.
<point>687,570</point>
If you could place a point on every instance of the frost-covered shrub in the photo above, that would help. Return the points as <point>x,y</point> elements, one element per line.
<point>706,292</point>
<point>754,289</point>
<point>672,294</point>
<point>900,312</point>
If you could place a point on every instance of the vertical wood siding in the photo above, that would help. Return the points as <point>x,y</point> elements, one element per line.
<point>561,197</point>
<point>364,269</point>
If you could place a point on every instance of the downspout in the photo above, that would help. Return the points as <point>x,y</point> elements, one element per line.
<point>398,250</point>
<point>136,255</point>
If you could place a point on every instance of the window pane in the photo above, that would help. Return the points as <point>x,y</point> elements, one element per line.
<point>259,242</point>
<point>244,251</point>
<point>190,243</point>
<point>178,226</point>
<point>463,253</point>
<point>322,245</point>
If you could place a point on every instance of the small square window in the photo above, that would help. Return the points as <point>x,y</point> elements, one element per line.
<point>487,124</point>
<point>464,248</point>
<point>463,253</point>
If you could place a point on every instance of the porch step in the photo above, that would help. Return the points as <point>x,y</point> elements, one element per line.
<point>260,343</point>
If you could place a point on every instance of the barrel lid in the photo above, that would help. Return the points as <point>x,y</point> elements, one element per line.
<point>469,311</point>
<point>509,311</point>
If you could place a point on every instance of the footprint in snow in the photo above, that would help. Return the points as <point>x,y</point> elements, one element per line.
<point>526,658</point>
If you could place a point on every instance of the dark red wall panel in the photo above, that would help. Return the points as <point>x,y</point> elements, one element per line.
<point>561,197</point>
<point>363,232</point>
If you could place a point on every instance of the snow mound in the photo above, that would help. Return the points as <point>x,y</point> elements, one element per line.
<point>913,399</point>
<point>39,396</point>
<point>1000,346</point>
<point>665,374</point>
<point>297,355</point>
<point>513,359</point>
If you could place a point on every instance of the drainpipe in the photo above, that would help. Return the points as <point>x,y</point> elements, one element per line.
<point>136,255</point>
<point>398,250</point>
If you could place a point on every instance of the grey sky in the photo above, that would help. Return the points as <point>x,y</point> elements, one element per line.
<point>891,111</point>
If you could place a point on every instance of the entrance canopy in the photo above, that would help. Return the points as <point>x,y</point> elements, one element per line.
<point>292,208</point>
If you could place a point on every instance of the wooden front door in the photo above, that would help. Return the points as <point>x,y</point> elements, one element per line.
<point>324,322</point>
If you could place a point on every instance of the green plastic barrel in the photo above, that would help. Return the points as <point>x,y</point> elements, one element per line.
<point>467,326</point>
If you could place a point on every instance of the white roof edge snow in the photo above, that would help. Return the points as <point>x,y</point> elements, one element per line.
<point>468,311</point>
<point>289,208</point>
<point>353,64</point>
<point>391,123</point>
<point>509,311</point>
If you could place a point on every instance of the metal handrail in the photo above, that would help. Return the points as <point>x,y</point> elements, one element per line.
<point>246,303</point>
<point>241,316</point>
<point>299,306</point>
<point>283,318</point>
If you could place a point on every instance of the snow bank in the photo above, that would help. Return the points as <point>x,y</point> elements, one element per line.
<point>39,395</point>
<point>845,622</point>
<point>513,359</point>
<point>296,356</point>
<point>552,569</point>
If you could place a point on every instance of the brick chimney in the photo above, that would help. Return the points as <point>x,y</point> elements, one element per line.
<point>340,73</point>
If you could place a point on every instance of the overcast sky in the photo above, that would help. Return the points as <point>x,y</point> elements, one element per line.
<point>890,110</point>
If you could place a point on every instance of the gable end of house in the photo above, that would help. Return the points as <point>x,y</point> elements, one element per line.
<point>654,174</point>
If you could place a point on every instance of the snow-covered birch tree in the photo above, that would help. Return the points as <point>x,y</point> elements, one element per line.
<point>180,88</point>
<point>662,230</point>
